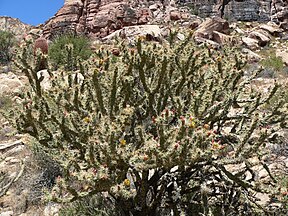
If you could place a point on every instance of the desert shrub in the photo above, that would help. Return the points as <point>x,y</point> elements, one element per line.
<point>283,195</point>
<point>40,175</point>
<point>161,129</point>
<point>95,205</point>
<point>7,42</point>
<point>273,62</point>
<point>6,102</point>
<point>67,50</point>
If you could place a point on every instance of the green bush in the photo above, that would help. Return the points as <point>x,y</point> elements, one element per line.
<point>7,42</point>
<point>273,62</point>
<point>68,50</point>
<point>157,129</point>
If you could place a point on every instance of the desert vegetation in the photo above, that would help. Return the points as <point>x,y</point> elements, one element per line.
<point>67,50</point>
<point>7,43</point>
<point>152,129</point>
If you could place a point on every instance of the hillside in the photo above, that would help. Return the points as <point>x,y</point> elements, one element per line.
<point>14,25</point>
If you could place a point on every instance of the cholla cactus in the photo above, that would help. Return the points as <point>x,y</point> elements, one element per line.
<point>41,45</point>
<point>156,127</point>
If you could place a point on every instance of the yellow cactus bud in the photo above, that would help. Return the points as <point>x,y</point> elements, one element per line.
<point>127,182</point>
<point>215,145</point>
<point>86,119</point>
<point>101,61</point>
<point>192,124</point>
<point>122,142</point>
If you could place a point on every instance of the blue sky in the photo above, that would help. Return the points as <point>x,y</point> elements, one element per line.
<point>31,12</point>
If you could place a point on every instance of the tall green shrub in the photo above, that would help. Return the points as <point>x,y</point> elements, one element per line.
<point>157,129</point>
<point>7,42</point>
<point>67,50</point>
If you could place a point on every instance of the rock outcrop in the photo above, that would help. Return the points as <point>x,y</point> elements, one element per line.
<point>244,10</point>
<point>14,25</point>
<point>99,18</point>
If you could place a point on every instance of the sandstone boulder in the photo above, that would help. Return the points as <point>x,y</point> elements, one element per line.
<point>262,36</point>
<point>195,23</point>
<point>284,25</point>
<point>7,213</point>
<point>272,28</point>
<point>65,20</point>
<point>209,42</point>
<point>250,43</point>
<point>175,15</point>
<point>131,32</point>
<point>282,54</point>
<point>252,56</point>
<point>222,38</point>
<point>9,84</point>
<point>206,29</point>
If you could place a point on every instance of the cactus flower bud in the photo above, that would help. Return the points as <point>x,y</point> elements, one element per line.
<point>192,125</point>
<point>127,183</point>
<point>86,119</point>
<point>209,133</point>
<point>145,157</point>
<point>122,142</point>
<point>182,118</point>
<point>167,113</point>
<point>206,126</point>
<point>94,171</point>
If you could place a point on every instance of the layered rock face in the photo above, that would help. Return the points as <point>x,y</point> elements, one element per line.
<point>279,10</point>
<point>245,10</point>
<point>99,18</point>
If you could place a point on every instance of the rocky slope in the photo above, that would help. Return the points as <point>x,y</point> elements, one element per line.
<point>14,25</point>
<point>99,18</point>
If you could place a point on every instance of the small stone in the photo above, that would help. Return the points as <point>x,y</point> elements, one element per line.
<point>250,43</point>
<point>4,146</point>
<point>14,161</point>
<point>7,213</point>
<point>263,198</point>
<point>51,209</point>
<point>5,69</point>
<point>153,7</point>
<point>262,174</point>
<point>175,15</point>
<point>261,36</point>
<point>221,38</point>
<point>206,29</point>
<point>8,159</point>
<point>181,36</point>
